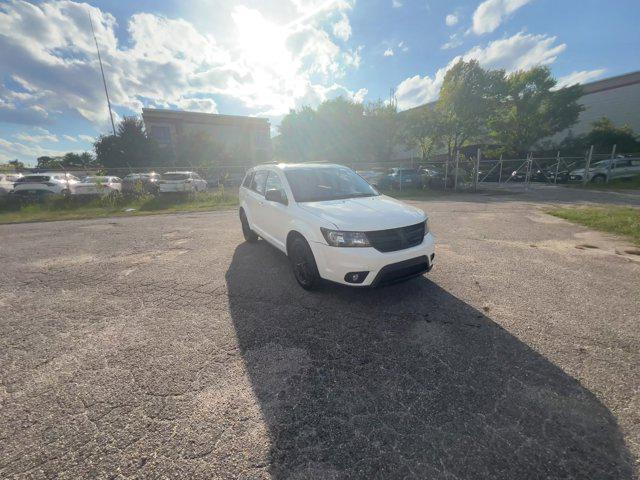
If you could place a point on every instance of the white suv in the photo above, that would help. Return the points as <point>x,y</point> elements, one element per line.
<point>189,182</point>
<point>333,225</point>
<point>38,184</point>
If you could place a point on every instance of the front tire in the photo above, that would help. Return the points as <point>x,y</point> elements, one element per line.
<point>599,179</point>
<point>303,263</point>
<point>249,235</point>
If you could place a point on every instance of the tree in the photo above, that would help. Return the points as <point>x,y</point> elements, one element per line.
<point>604,135</point>
<point>531,110</point>
<point>17,165</point>
<point>49,163</point>
<point>340,130</point>
<point>381,130</point>
<point>422,129</point>
<point>71,160</point>
<point>297,141</point>
<point>468,98</point>
<point>129,148</point>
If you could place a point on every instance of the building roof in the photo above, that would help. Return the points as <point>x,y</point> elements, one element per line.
<point>611,83</point>
<point>199,117</point>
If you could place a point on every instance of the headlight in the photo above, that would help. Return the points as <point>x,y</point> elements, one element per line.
<point>336,238</point>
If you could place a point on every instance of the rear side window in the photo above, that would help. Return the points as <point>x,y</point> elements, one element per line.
<point>257,183</point>
<point>247,180</point>
<point>273,182</point>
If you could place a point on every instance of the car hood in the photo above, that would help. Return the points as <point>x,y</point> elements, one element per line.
<point>366,213</point>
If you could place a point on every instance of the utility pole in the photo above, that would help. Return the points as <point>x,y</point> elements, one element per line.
<point>104,81</point>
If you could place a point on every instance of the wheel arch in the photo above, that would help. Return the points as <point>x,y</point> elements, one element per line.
<point>291,236</point>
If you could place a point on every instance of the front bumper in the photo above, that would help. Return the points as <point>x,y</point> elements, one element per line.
<point>334,262</point>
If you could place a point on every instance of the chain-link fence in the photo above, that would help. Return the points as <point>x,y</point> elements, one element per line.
<point>465,172</point>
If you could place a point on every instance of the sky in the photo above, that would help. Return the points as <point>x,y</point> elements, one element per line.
<point>266,57</point>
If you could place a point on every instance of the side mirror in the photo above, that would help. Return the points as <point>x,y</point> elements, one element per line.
<point>276,195</point>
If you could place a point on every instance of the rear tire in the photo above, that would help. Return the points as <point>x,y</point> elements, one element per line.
<point>303,263</point>
<point>249,235</point>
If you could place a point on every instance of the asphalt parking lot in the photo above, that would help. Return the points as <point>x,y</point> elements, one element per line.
<point>165,347</point>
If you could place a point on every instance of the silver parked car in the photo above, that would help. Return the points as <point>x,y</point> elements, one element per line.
<point>99,186</point>
<point>8,181</point>
<point>182,182</point>
<point>611,169</point>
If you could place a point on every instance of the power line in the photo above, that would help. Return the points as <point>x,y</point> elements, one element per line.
<point>104,81</point>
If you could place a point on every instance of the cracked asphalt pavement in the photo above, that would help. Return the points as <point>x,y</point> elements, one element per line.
<point>165,347</point>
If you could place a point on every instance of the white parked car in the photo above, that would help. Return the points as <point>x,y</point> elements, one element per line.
<point>37,184</point>
<point>99,186</point>
<point>333,225</point>
<point>599,171</point>
<point>7,182</point>
<point>182,182</point>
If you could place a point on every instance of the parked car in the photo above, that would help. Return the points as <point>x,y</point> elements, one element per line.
<point>230,179</point>
<point>99,186</point>
<point>407,177</point>
<point>333,225</point>
<point>141,182</point>
<point>42,184</point>
<point>7,182</point>
<point>599,172</point>
<point>182,182</point>
<point>434,178</point>
<point>371,176</point>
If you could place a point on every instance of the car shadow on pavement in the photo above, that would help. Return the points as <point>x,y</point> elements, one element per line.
<point>406,381</point>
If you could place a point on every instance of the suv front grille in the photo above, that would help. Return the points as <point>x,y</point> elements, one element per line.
<point>397,238</point>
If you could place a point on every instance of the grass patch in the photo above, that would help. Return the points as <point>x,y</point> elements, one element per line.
<point>619,184</point>
<point>612,219</point>
<point>54,209</point>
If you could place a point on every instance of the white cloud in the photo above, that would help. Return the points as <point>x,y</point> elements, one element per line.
<point>353,57</point>
<point>396,3</point>
<point>454,41</point>
<point>266,66</point>
<point>359,95</point>
<point>342,28</point>
<point>451,19</point>
<point>388,52</point>
<point>491,13</point>
<point>87,138</point>
<point>419,90</point>
<point>582,76</point>
<point>403,47</point>
<point>26,150</point>
<point>519,52</point>
<point>42,135</point>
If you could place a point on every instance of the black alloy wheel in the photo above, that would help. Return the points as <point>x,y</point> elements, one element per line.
<point>249,235</point>
<point>304,265</point>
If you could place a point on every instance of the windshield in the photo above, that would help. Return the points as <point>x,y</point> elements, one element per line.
<point>601,164</point>
<point>34,179</point>
<point>327,183</point>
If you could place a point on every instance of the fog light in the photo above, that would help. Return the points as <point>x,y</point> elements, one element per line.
<point>355,277</point>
